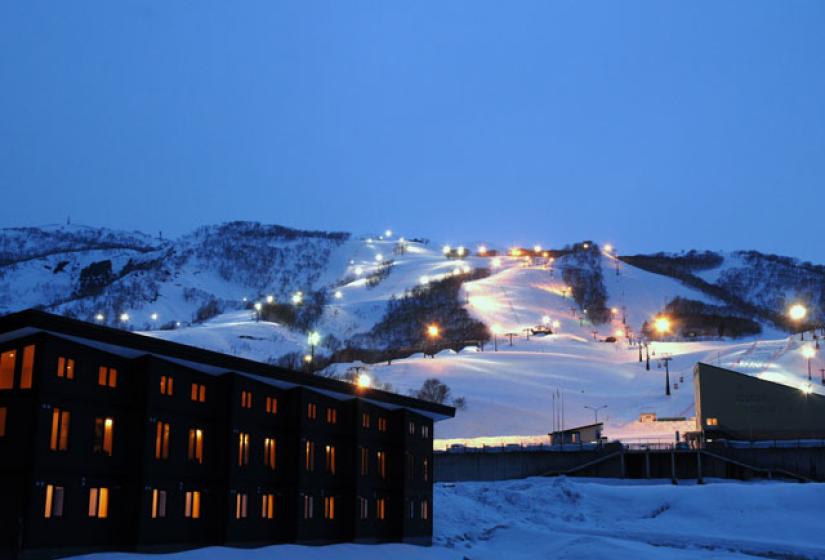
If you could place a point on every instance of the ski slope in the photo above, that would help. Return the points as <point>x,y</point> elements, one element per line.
<point>510,388</point>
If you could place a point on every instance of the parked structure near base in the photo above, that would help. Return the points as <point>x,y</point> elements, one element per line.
<point>118,441</point>
<point>590,433</point>
<point>737,406</point>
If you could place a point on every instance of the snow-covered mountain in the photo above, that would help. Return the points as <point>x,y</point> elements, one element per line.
<point>370,299</point>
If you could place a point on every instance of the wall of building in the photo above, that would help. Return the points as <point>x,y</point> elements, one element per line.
<point>226,419</point>
<point>739,406</point>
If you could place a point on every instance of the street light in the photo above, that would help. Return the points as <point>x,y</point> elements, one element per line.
<point>482,250</point>
<point>270,299</point>
<point>124,317</point>
<point>496,262</point>
<point>339,294</point>
<point>496,331</point>
<point>808,353</point>
<point>433,332</point>
<point>662,325</point>
<point>363,381</point>
<point>258,308</point>
<point>596,410</point>
<point>797,312</point>
<point>313,338</point>
<point>297,298</point>
<point>99,317</point>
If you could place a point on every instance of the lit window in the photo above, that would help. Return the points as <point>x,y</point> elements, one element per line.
<point>167,385</point>
<point>198,392</point>
<point>3,413</point>
<point>332,416</point>
<point>246,399</point>
<point>54,501</point>
<point>104,431</point>
<point>365,461</point>
<point>268,506</point>
<point>380,508</point>
<point>107,377</point>
<point>363,507</point>
<point>425,509</point>
<point>27,368</point>
<point>59,440</point>
<point>330,456</point>
<point>365,420</point>
<point>712,422</point>
<point>309,456</point>
<point>99,502</point>
<point>162,440</point>
<point>192,505</point>
<point>243,449</point>
<point>240,505</point>
<point>329,507</point>
<point>65,367</point>
<point>425,432</point>
<point>158,503</point>
<point>381,457</point>
<point>308,507</point>
<point>195,445</point>
<point>269,453</point>
<point>412,428</point>
<point>382,424</point>
<point>425,463</point>
<point>7,361</point>
<point>312,411</point>
<point>412,509</point>
<point>271,405</point>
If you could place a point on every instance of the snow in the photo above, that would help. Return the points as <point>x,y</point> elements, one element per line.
<point>509,391</point>
<point>588,518</point>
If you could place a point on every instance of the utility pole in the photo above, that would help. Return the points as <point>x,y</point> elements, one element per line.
<point>666,359</point>
<point>647,357</point>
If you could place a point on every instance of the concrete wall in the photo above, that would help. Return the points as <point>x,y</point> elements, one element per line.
<point>453,467</point>
<point>609,462</point>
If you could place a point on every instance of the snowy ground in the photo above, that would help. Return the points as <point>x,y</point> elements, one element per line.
<point>593,519</point>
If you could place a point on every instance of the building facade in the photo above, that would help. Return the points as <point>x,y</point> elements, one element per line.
<point>117,441</point>
<point>732,405</point>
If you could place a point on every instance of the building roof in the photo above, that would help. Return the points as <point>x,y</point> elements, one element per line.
<point>131,345</point>
<point>578,428</point>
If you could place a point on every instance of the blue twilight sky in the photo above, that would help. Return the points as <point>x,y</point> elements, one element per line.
<point>656,125</point>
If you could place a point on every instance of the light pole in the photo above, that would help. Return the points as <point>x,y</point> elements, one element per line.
<point>797,312</point>
<point>433,332</point>
<point>666,359</point>
<point>496,331</point>
<point>595,410</point>
<point>313,338</point>
<point>808,353</point>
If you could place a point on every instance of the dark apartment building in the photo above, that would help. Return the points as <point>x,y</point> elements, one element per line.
<point>117,441</point>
